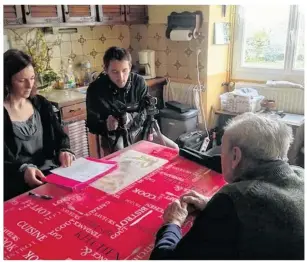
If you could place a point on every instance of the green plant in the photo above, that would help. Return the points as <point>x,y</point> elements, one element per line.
<point>50,76</point>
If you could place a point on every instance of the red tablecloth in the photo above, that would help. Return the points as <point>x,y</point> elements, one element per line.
<point>95,225</point>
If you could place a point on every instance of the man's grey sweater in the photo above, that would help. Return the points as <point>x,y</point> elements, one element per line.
<point>259,216</point>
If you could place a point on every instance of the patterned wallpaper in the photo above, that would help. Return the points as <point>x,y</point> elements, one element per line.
<point>173,59</point>
<point>89,43</point>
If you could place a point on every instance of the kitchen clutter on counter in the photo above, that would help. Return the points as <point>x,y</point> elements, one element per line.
<point>73,79</point>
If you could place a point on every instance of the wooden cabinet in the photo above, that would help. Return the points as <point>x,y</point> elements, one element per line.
<point>73,110</point>
<point>111,14</point>
<point>12,15</point>
<point>131,14</point>
<point>82,15</point>
<point>79,13</point>
<point>136,14</point>
<point>35,14</point>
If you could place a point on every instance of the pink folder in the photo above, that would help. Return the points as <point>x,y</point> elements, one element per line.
<point>77,185</point>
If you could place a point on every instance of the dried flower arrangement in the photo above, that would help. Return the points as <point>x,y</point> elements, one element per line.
<point>41,54</point>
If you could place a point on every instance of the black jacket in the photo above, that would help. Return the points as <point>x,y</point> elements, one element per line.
<point>103,92</point>
<point>54,141</point>
<point>260,216</point>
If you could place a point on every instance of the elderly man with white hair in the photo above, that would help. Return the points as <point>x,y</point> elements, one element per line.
<point>259,214</point>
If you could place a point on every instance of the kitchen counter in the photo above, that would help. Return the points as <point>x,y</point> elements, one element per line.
<point>72,96</point>
<point>64,97</point>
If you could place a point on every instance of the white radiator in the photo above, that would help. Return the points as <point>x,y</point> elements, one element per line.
<point>290,100</point>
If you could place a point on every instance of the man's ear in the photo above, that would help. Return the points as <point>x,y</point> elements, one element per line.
<point>236,157</point>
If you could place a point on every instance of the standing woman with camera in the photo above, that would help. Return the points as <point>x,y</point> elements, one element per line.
<point>108,96</point>
<point>34,140</point>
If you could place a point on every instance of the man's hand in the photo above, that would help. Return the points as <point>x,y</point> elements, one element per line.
<point>66,159</point>
<point>31,176</point>
<point>176,213</point>
<point>112,123</point>
<point>197,200</point>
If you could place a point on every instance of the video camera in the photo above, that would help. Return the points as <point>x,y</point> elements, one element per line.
<point>119,109</point>
<point>149,103</point>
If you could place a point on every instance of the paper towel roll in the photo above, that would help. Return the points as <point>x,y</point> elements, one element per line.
<point>181,35</point>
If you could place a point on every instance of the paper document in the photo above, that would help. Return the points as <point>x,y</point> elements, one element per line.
<point>132,166</point>
<point>82,170</point>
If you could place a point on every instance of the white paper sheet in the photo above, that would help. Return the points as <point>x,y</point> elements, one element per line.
<point>82,170</point>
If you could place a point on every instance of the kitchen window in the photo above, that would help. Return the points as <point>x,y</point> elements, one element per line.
<point>269,43</point>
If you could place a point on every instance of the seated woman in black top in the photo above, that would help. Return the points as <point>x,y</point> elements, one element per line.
<point>34,141</point>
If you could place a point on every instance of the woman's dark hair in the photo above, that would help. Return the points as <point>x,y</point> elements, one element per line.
<point>116,53</point>
<point>15,61</point>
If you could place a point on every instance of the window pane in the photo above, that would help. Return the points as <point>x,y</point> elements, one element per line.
<point>299,51</point>
<point>265,36</point>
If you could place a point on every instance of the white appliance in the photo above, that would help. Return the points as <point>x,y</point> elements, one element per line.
<point>147,64</point>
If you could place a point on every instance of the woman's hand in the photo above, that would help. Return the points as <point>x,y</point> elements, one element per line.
<point>33,176</point>
<point>66,159</point>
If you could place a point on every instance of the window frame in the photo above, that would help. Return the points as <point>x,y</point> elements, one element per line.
<point>288,73</point>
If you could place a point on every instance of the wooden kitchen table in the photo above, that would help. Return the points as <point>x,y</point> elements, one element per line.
<point>116,217</point>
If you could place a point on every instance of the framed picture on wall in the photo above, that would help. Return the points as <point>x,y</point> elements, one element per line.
<point>221,33</point>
